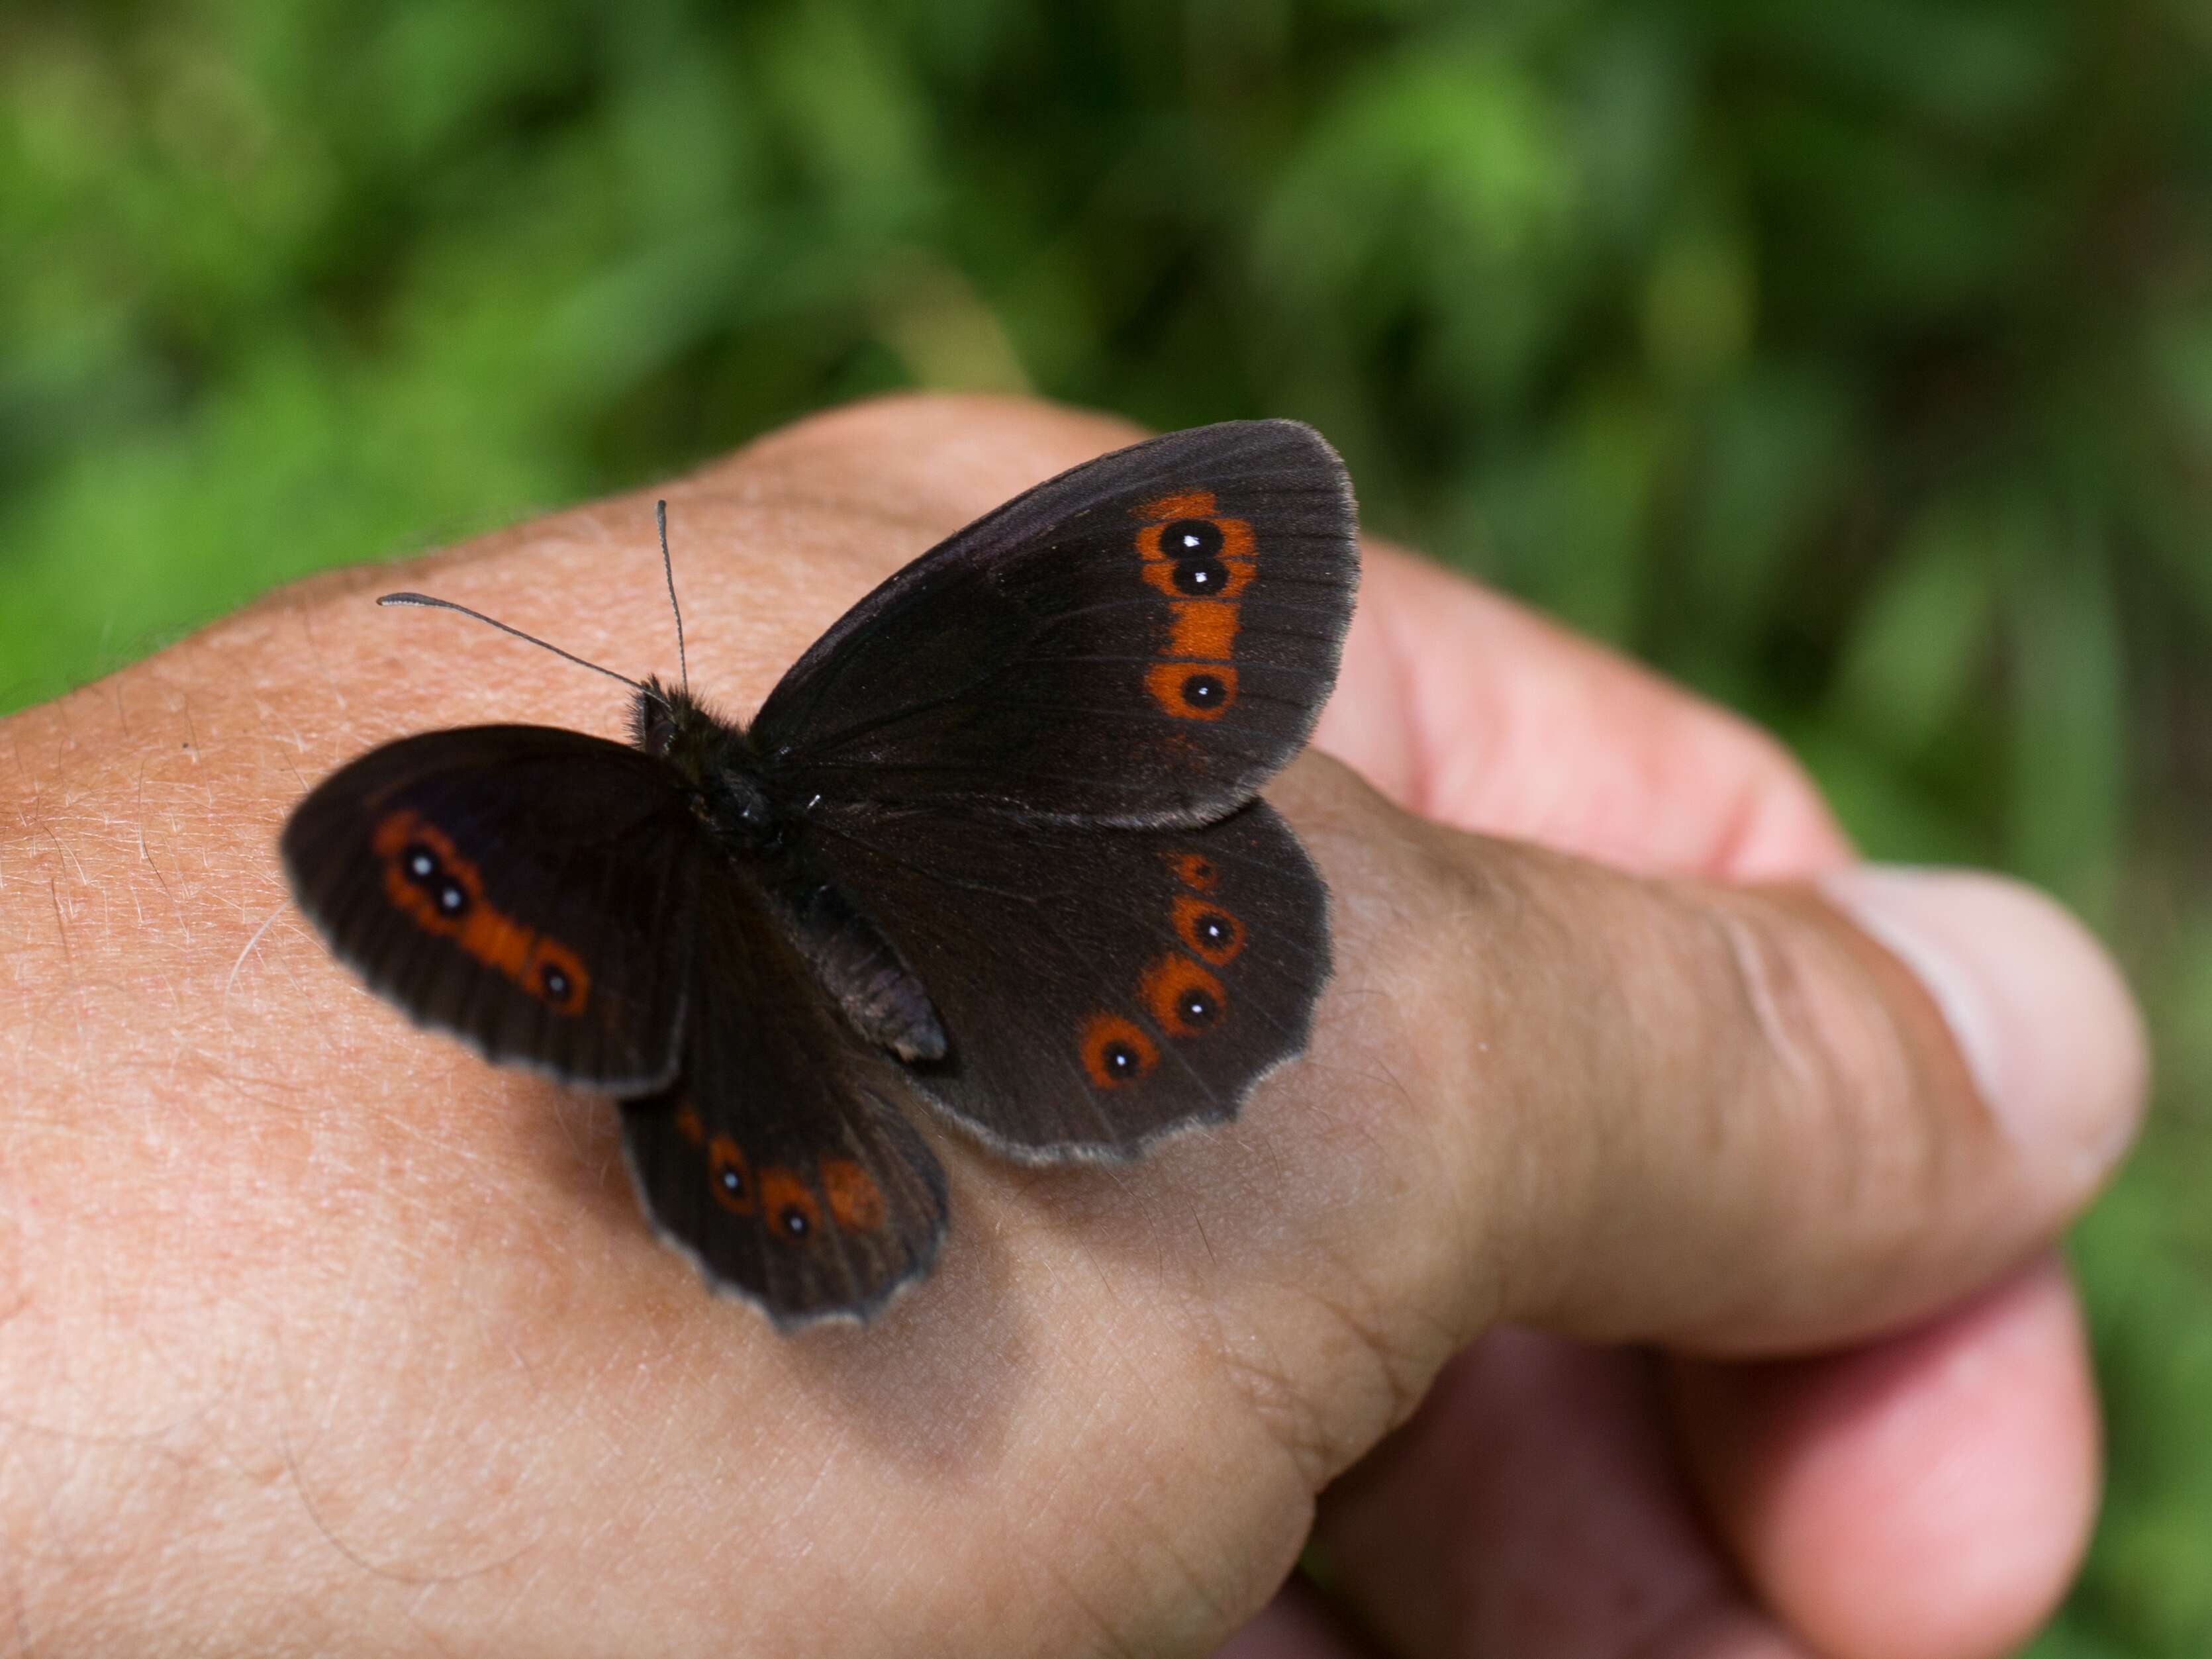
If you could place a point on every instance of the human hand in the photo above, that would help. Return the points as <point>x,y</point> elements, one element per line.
<point>322,1335</point>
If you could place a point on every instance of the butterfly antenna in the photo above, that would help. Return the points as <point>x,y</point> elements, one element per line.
<point>668,569</point>
<point>426,601</point>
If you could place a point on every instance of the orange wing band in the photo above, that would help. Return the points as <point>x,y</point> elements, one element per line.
<point>1202,630</point>
<point>540,965</point>
<point>855,1201</point>
<point>1196,677</point>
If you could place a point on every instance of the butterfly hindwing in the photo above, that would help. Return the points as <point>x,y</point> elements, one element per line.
<point>1141,640</point>
<point>530,889</point>
<point>1098,989</point>
<point>781,1160</point>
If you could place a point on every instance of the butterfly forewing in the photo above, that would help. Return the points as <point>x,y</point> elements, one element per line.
<point>780,1160</point>
<point>530,889</point>
<point>1141,640</point>
<point>1099,989</point>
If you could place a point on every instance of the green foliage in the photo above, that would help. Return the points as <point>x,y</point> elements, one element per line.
<point>1852,362</point>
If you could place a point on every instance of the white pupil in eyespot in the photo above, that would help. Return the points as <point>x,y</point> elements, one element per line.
<point>422,864</point>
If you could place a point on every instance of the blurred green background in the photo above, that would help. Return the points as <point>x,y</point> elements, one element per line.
<point>1852,362</point>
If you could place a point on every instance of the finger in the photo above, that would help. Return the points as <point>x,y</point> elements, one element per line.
<point>1466,708</point>
<point>1736,1120</point>
<point>1533,1506</point>
<point>1925,1498</point>
<point>1928,1497</point>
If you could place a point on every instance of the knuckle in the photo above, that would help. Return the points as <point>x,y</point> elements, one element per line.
<point>1329,1371</point>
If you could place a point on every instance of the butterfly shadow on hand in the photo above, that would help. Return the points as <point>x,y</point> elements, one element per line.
<point>931,1383</point>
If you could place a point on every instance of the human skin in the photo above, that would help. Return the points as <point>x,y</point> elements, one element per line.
<point>1631,1243</point>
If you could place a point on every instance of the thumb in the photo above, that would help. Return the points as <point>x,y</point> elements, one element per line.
<point>1735,1120</point>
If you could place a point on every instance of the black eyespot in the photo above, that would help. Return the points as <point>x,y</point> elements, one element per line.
<point>555,982</point>
<point>1200,576</point>
<point>793,1221</point>
<point>1214,927</point>
<point>451,899</point>
<point>1190,539</point>
<point>1204,690</point>
<point>418,862</point>
<point>1122,1060</point>
<point>732,1183</point>
<point>1197,1006</point>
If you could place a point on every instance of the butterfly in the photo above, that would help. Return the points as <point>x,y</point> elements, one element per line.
<point>993,847</point>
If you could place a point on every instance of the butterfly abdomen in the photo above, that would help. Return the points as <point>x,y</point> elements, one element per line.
<point>883,999</point>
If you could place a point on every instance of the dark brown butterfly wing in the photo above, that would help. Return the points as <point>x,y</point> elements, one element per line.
<point>1141,640</point>
<point>531,891</point>
<point>779,1160</point>
<point>1099,988</point>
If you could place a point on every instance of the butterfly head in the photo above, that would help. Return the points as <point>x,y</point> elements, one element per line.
<point>712,755</point>
<point>674,725</point>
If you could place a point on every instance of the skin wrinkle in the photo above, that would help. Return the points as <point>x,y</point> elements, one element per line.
<point>1206,1598</point>
<point>1319,1456</point>
<point>1287,1423</point>
<point>1148,1539</point>
<point>1768,984</point>
<point>1401,993</point>
<point>1271,1398</point>
<point>1862,1065</point>
<point>1482,911</point>
<point>1558,1187</point>
<point>1314,1455</point>
<point>1202,1605</point>
<point>1481,1226</point>
<point>1834,1104</point>
<point>374,1569</point>
<point>1850,1072</point>
<point>1730,1138</point>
